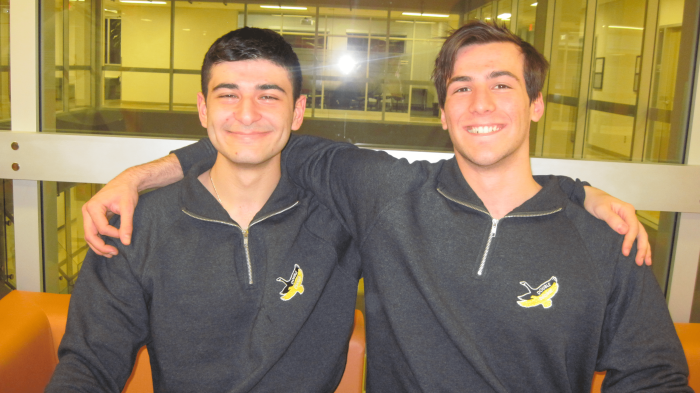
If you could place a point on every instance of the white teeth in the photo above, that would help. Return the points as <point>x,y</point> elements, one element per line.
<point>482,129</point>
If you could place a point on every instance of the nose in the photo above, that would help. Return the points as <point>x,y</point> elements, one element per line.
<point>246,112</point>
<point>482,101</point>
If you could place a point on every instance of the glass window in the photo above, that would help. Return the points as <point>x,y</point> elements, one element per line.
<point>504,12</point>
<point>660,227</point>
<point>619,32</point>
<point>8,275</point>
<point>64,245</point>
<point>8,278</point>
<point>561,114</point>
<point>527,14</point>
<point>367,70</point>
<point>667,114</point>
<point>628,99</point>
<point>4,64</point>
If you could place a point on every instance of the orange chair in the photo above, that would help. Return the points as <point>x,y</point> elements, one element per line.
<point>689,333</point>
<point>33,325</point>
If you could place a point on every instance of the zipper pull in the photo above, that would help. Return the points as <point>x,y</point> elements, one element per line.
<point>494,226</point>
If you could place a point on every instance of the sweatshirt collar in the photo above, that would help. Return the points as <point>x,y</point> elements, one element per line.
<point>196,199</point>
<point>453,186</point>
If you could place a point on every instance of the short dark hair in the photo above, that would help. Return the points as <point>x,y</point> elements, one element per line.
<point>251,43</point>
<point>477,33</point>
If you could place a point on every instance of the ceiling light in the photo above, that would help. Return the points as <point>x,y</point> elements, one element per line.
<point>142,2</point>
<point>114,11</point>
<point>422,14</point>
<point>284,7</point>
<point>626,27</point>
<point>505,16</point>
<point>534,4</point>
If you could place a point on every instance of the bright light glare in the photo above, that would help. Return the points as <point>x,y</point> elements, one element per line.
<point>626,27</point>
<point>505,16</point>
<point>346,64</point>
<point>113,11</point>
<point>534,4</point>
<point>284,7</point>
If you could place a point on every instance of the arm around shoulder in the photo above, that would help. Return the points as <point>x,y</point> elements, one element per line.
<point>353,183</point>
<point>619,215</point>
<point>120,196</point>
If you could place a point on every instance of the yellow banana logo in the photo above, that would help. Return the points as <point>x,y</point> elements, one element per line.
<point>293,285</point>
<point>540,296</point>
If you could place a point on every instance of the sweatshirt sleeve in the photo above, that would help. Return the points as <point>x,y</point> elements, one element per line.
<point>194,153</point>
<point>639,347</point>
<point>107,325</point>
<point>572,188</point>
<point>355,184</point>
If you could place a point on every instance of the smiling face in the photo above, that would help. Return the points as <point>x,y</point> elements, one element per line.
<point>249,111</point>
<point>487,110</point>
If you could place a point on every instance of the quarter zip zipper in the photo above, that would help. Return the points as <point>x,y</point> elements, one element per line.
<point>494,224</point>
<point>494,227</point>
<point>245,233</point>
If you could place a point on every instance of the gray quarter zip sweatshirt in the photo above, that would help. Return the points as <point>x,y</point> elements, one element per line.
<point>220,309</point>
<point>457,301</point>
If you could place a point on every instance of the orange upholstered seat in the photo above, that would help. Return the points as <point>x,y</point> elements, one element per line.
<point>32,325</point>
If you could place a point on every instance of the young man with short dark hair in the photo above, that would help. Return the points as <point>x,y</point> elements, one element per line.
<point>237,280</point>
<point>478,276</point>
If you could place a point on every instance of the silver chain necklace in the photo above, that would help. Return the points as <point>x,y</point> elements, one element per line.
<point>214,187</point>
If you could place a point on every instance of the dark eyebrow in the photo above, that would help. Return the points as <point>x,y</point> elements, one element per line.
<point>492,75</point>
<point>459,79</point>
<point>496,74</point>
<point>231,86</point>
<point>270,86</point>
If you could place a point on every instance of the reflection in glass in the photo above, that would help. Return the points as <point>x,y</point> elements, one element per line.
<point>527,14</point>
<point>662,121</point>
<point>8,274</point>
<point>126,67</point>
<point>4,64</point>
<point>619,32</point>
<point>504,13</point>
<point>64,243</point>
<point>660,227</point>
<point>486,13</point>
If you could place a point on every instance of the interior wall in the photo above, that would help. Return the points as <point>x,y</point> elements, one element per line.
<point>145,36</point>
<point>195,31</point>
